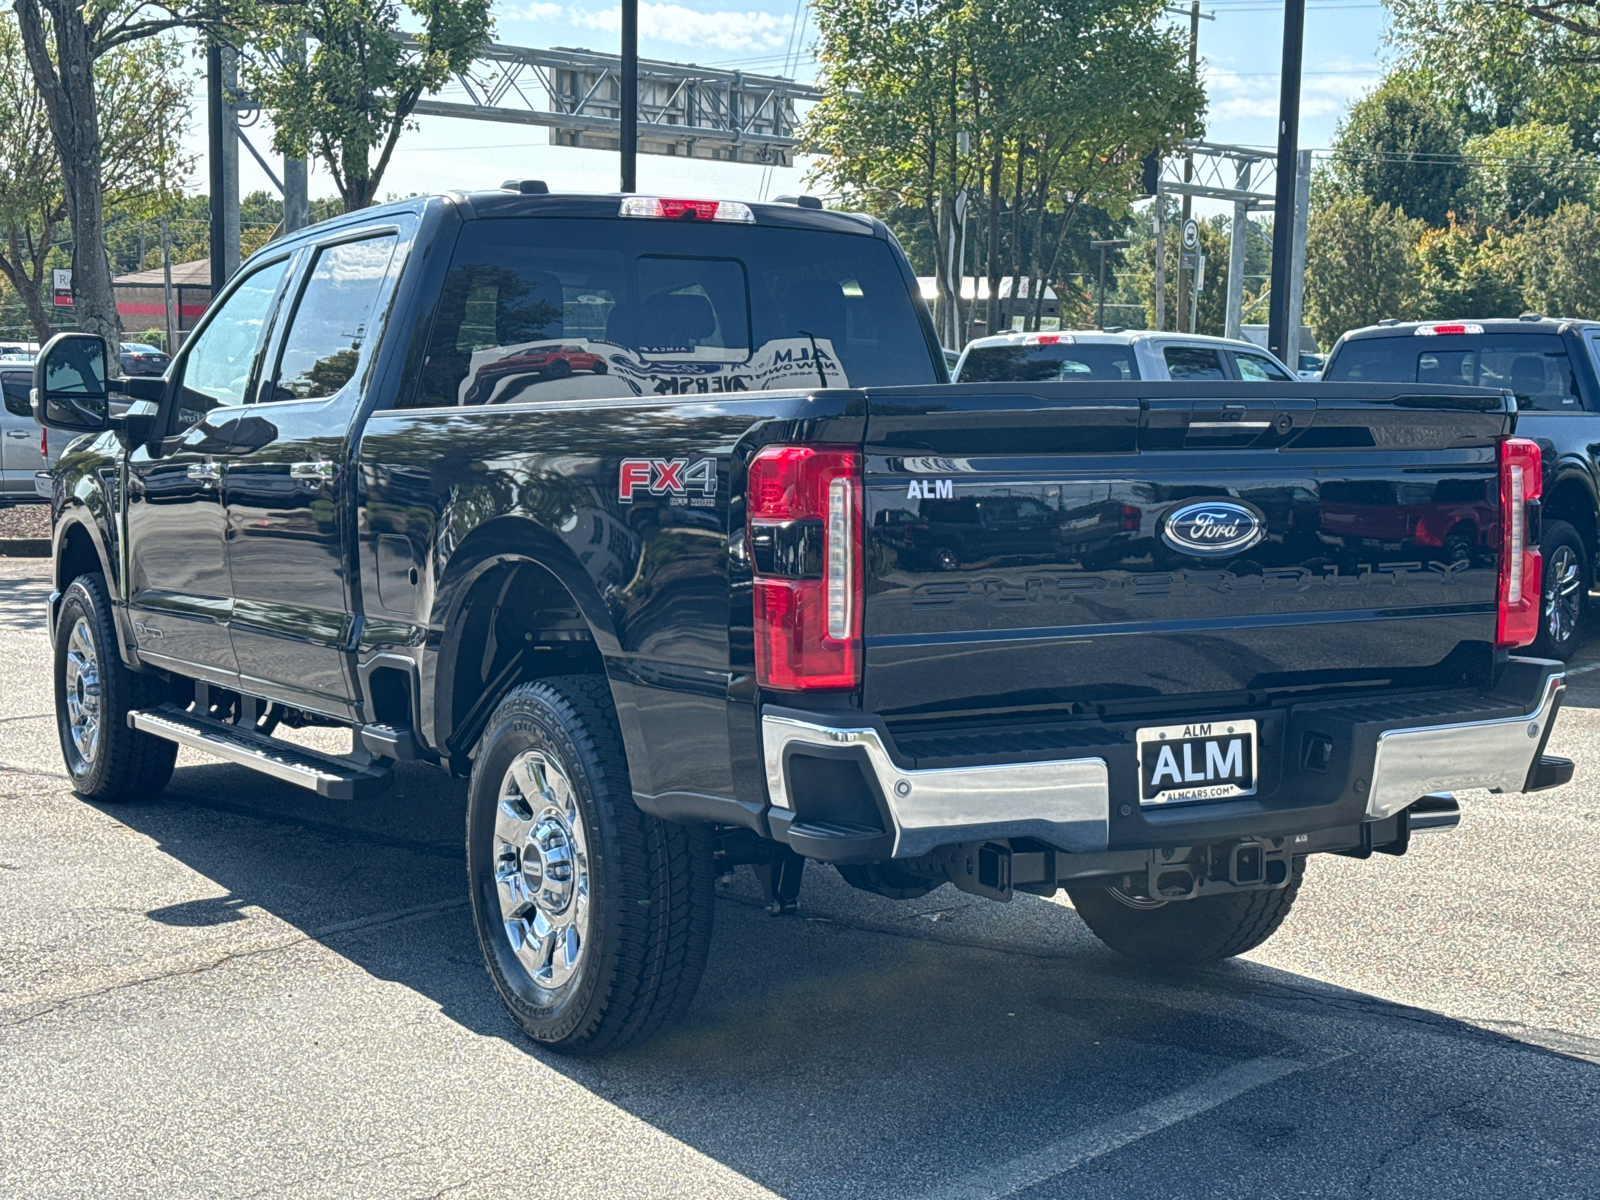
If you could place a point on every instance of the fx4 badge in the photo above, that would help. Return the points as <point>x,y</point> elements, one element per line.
<point>675,478</point>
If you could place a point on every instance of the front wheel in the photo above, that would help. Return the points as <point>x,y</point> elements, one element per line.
<point>1564,588</point>
<point>594,918</point>
<point>1186,933</point>
<point>107,760</point>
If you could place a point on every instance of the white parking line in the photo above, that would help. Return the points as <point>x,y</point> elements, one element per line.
<point>1006,1179</point>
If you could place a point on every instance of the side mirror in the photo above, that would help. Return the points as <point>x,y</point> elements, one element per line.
<point>69,384</point>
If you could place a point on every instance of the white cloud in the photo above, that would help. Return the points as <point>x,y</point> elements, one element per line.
<point>677,24</point>
<point>1234,96</point>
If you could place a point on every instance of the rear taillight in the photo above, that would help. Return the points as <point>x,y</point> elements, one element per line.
<point>1521,565</point>
<point>804,530</point>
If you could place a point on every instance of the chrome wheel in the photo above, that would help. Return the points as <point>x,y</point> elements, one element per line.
<point>541,869</point>
<point>1564,595</point>
<point>81,682</point>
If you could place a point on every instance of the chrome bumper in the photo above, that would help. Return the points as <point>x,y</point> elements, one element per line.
<point>1072,796</point>
<point>1498,755</point>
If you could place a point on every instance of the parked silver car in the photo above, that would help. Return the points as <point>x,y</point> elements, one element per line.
<point>27,452</point>
<point>1104,354</point>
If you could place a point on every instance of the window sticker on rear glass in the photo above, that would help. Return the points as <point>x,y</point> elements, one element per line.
<point>582,369</point>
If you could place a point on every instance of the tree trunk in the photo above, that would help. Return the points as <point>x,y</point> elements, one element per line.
<point>66,84</point>
<point>996,166</point>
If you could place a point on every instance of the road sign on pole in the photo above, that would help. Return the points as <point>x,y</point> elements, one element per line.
<point>1191,234</point>
<point>61,287</point>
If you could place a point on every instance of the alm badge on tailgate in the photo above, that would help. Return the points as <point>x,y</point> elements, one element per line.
<point>1203,760</point>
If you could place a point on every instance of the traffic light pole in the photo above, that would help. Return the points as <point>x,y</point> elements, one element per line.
<point>215,155</point>
<point>1282,340</point>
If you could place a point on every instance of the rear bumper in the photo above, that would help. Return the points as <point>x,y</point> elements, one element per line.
<point>843,789</point>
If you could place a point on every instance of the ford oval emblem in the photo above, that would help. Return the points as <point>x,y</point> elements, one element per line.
<point>1213,527</point>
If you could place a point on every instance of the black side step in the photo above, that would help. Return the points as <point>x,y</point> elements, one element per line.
<point>1550,771</point>
<point>335,778</point>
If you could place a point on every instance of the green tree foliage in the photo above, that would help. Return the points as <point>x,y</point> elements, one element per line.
<point>1468,272</point>
<point>1508,62</point>
<point>1034,108</point>
<point>142,103</point>
<point>1401,145</point>
<point>340,84</point>
<point>1524,171</point>
<point>1361,266</point>
<point>1559,260</point>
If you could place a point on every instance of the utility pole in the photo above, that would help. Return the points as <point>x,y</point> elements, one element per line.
<point>1184,285</point>
<point>1297,256</point>
<point>1238,241</point>
<point>230,160</point>
<point>630,95</point>
<point>1109,244</point>
<point>1283,207</point>
<point>296,197</point>
<point>1161,259</point>
<point>214,162</point>
<point>166,287</point>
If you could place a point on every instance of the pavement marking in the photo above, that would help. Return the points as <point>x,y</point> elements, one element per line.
<point>1584,670</point>
<point>1009,1178</point>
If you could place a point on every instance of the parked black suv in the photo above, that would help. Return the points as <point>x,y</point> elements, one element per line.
<point>1549,365</point>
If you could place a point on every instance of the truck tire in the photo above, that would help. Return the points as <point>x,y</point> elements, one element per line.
<point>1186,933</point>
<point>594,918</point>
<point>106,759</point>
<point>1563,591</point>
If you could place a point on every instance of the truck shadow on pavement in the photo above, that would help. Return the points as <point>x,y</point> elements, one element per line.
<point>938,1047</point>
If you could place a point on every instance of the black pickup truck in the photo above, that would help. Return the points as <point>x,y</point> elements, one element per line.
<point>603,502</point>
<point>1552,368</point>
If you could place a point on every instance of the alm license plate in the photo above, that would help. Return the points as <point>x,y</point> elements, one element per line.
<point>1203,760</point>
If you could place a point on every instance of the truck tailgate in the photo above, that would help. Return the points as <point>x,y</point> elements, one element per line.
<point>1096,549</point>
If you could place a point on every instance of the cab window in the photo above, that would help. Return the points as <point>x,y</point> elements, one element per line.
<point>322,347</point>
<point>217,362</point>
<point>1258,368</point>
<point>1193,362</point>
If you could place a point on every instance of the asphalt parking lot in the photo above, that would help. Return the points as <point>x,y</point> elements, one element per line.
<point>243,990</point>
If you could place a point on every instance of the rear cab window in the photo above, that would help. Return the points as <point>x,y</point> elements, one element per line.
<point>1258,368</point>
<point>1048,363</point>
<point>1532,366</point>
<point>1193,362</point>
<point>543,308</point>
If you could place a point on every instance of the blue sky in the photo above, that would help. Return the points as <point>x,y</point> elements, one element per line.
<point>1241,48</point>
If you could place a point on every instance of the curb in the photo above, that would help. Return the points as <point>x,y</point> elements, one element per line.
<point>24,547</point>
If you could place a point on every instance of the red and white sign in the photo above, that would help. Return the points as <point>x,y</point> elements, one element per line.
<point>61,287</point>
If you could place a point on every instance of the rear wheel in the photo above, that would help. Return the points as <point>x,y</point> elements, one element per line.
<point>1184,933</point>
<point>94,693</point>
<point>594,918</point>
<point>1565,587</point>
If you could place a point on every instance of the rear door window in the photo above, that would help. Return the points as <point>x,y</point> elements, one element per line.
<point>1193,362</point>
<point>323,344</point>
<point>1023,363</point>
<point>537,309</point>
<point>1533,366</point>
<point>1258,368</point>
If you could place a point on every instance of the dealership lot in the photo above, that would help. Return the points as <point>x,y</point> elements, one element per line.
<point>242,989</point>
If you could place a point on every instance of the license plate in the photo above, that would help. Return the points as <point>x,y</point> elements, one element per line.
<point>1203,760</point>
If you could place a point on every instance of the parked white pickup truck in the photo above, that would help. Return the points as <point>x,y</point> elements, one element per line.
<point>1114,354</point>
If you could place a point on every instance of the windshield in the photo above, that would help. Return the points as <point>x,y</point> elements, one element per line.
<point>1534,366</point>
<point>1059,363</point>
<point>553,309</point>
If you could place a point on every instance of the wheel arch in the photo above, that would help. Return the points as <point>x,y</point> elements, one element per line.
<point>1571,498</point>
<point>514,605</point>
<point>80,550</point>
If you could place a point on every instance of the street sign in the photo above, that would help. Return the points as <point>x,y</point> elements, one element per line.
<point>1191,234</point>
<point>1186,260</point>
<point>1200,273</point>
<point>61,287</point>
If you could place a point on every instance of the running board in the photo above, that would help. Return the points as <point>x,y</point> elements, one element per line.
<point>335,778</point>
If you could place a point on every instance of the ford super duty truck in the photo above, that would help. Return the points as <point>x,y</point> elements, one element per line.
<point>658,519</point>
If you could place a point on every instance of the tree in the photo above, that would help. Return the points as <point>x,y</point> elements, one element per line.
<point>1468,272</point>
<point>1036,110</point>
<point>64,40</point>
<point>1401,145</point>
<point>339,83</point>
<point>1559,260</point>
<point>143,105</point>
<point>1509,62</point>
<point>1524,171</point>
<point>1361,266</point>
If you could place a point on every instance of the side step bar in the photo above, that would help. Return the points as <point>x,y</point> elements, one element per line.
<point>335,778</point>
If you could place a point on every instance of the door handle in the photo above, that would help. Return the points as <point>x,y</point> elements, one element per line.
<point>206,474</point>
<point>19,433</point>
<point>320,471</point>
